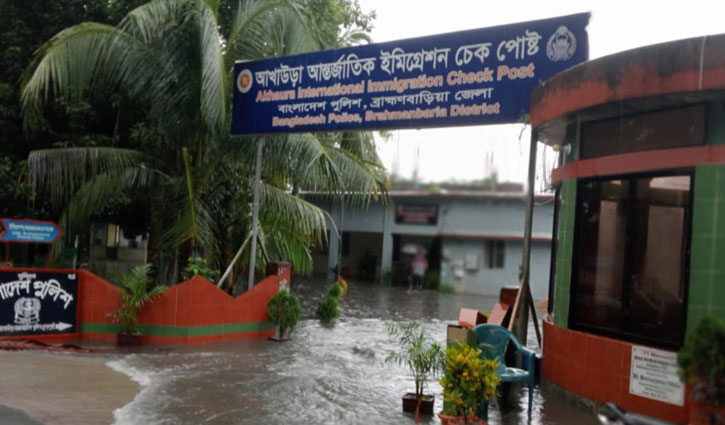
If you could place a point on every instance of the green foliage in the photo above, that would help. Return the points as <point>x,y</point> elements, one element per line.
<point>387,276</point>
<point>137,289</point>
<point>432,279</point>
<point>447,288</point>
<point>702,360</point>
<point>335,290</point>
<point>15,194</point>
<point>161,77</point>
<point>425,359</point>
<point>339,23</point>
<point>328,310</point>
<point>468,380</point>
<point>285,310</point>
<point>198,266</point>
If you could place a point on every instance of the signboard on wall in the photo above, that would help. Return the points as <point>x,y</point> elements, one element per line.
<point>37,302</point>
<point>481,76</point>
<point>654,375</point>
<point>31,231</point>
<point>416,214</point>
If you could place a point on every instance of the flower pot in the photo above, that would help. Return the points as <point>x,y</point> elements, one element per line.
<point>706,414</point>
<point>460,420</point>
<point>426,403</point>
<point>126,339</point>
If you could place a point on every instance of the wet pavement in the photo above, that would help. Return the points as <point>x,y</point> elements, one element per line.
<point>324,375</point>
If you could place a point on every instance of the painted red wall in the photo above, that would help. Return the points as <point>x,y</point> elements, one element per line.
<point>598,368</point>
<point>195,302</point>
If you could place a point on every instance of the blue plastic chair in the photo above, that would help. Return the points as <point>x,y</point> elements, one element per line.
<point>492,341</point>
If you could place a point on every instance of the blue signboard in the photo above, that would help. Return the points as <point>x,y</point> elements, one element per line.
<point>482,76</point>
<point>33,302</point>
<point>31,231</point>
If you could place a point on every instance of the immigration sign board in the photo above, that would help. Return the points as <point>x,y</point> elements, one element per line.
<point>32,231</point>
<point>481,76</point>
<point>34,302</point>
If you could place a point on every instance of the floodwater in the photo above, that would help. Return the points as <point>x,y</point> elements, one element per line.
<point>324,375</point>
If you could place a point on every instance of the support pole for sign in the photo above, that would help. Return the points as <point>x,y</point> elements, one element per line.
<point>519,315</point>
<point>255,212</point>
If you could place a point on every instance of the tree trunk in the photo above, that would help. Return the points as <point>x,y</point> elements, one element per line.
<point>84,250</point>
<point>186,251</point>
<point>156,226</point>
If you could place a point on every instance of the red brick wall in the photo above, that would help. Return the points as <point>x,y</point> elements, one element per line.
<point>598,368</point>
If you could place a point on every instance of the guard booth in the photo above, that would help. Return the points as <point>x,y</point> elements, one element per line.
<point>640,227</point>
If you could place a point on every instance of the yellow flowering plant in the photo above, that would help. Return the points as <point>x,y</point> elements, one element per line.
<point>468,380</point>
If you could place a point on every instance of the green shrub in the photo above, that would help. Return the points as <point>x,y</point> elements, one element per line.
<point>468,380</point>
<point>328,309</point>
<point>447,288</point>
<point>423,357</point>
<point>199,266</point>
<point>335,290</point>
<point>137,289</point>
<point>285,310</point>
<point>701,360</point>
<point>387,277</point>
<point>432,280</point>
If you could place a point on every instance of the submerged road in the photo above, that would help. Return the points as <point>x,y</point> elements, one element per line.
<point>324,375</point>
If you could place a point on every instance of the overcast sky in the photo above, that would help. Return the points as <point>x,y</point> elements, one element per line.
<point>460,153</point>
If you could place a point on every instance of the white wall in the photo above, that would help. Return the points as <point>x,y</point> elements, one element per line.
<point>489,281</point>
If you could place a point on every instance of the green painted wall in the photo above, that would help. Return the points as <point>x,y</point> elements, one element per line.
<point>181,331</point>
<point>707,259</point>
<point>565,239</point>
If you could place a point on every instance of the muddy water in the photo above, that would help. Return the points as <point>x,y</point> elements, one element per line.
<point>325,375</point>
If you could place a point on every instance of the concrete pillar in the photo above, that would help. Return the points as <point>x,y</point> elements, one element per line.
<point>334,242</point>
<point>386,257</point>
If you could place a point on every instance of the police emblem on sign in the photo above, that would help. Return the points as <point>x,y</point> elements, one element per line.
<point>561,45</point>
<point>27,311</point>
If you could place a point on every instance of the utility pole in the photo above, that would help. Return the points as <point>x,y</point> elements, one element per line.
<point>255,212</point>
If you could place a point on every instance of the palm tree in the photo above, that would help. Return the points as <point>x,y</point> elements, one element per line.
<point>170,57</point>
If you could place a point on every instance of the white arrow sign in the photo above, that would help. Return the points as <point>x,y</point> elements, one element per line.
<point>61,326</point>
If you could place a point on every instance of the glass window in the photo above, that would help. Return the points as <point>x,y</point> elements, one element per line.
<point>631,244</point>
<point>495,251</point>
<point>673,128</point>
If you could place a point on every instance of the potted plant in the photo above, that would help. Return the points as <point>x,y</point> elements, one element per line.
<point>423,358</point>
<point>468,381</point>
<point>137,289</point>
<point>702,361</point>
<point>285,310</point>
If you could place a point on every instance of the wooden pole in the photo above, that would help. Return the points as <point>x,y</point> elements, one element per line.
<point>519,315</point>
<point>255,213</point>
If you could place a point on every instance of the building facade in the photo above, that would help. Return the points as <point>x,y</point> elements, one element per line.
<point>473,240</point>
<point>640,230</point>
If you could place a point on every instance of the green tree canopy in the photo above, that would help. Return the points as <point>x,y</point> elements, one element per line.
<point>172,60</point>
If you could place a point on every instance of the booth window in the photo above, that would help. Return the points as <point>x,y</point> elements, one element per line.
<point>495,254</point>
<point>667,129</point>
<point>629,275</point>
